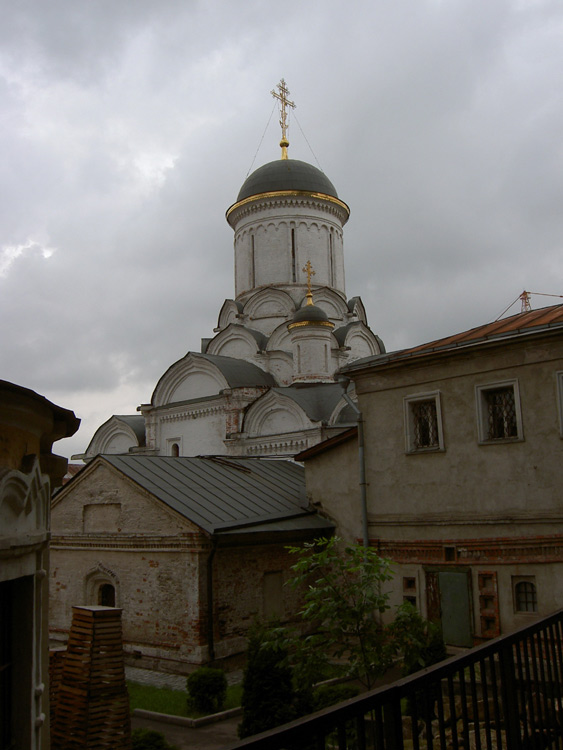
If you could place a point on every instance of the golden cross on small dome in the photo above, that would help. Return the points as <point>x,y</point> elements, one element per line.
<point>284,102</point>
<point>308,268</point>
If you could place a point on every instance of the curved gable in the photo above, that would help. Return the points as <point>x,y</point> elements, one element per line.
<point>280,339</point>
<point>359,340</point>
<point>356,307</point>
<point>237,341</point>
<point>117,435</point>
<point>269,303</point>
<point>193,376</point>
<point>274,414</point>
<point>229,313</point>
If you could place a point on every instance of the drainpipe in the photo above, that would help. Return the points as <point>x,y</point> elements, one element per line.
<point>361,459</point>
<point>210,623</point>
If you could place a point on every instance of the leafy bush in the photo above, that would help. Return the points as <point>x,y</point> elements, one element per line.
<point>147,739</point>
<point>207,690</point>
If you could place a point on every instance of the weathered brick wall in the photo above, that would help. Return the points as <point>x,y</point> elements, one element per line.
<point>239,589</point>
<point>152,558</point>
<point>158,562</point>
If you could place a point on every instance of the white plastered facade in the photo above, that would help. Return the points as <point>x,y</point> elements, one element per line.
<point>204,403</point>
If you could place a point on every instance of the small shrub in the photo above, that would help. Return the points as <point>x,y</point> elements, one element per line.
<point>147,739</point>
<point>207,690</point>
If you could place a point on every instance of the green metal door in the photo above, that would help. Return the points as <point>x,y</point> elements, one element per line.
<point>455,608</point>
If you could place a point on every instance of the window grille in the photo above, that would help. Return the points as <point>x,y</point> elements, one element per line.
<point>526,597</point>
<point>425,424</point>
<point>501,413</point>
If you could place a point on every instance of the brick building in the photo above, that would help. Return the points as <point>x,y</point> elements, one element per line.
<point>192,550</point>
<point>464,472</point>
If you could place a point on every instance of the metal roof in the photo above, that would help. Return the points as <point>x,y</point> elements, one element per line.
<point>523,324</point>
<point>286,174</point>
<point>318,400</point>
<point>225,494</point>
<point>238,372</point>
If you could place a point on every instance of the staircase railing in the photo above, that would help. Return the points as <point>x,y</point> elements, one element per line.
<point>506,693</point>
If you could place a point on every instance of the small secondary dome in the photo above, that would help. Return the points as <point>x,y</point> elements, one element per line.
<point>310,314</point>
<point>286,174</point>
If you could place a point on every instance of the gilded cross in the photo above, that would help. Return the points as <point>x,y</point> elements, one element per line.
<point>284,102</point>
<point>308,268</point>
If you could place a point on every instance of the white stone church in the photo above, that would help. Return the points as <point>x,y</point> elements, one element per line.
<point>264,385</point>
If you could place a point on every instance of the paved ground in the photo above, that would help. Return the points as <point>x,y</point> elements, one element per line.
<point>211,737</point>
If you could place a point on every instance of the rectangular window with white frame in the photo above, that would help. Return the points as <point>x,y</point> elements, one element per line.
<point>499,418</point>
<point>423,423</point>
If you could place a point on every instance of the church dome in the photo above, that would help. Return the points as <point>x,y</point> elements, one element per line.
<point>286,174</point>
<point>310,314</point>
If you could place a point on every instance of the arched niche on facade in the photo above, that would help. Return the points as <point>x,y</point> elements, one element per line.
<point>274,414</point>
<point>237,341</point>
<point>101,585</point>
<point>193,376</point>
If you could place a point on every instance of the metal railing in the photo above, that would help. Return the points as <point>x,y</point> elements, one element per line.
<point>506,693</point>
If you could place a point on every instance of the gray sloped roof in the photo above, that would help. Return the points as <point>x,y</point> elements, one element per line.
<point>238,373</point>
<point>318,401</point>
<point>222,495</point>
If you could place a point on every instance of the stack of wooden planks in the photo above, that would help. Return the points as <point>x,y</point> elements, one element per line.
<point>92,708</point>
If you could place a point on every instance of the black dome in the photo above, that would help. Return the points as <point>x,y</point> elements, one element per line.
<point>310,314</point>
<point>286,174</point>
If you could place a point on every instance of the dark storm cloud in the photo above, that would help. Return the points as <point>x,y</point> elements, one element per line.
<point>127,129</point>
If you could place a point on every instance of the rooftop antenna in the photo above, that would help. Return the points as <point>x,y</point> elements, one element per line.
<point>525,300</point>
<point>284,103</point>
<point>526,305</point>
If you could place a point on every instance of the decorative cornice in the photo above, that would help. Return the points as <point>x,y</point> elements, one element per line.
<point>194,413</point>
<point>188,542</point>
<point>288,199</point>
<point>288,446</point>
<point>466,519</point>
<point>498,551</point>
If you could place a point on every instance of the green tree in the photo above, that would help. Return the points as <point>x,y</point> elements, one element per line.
<point>344,595</point>
<point>267,688</point>
<point>421,642</point>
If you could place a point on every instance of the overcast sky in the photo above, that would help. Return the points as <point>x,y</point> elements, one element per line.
<point>127,128</point>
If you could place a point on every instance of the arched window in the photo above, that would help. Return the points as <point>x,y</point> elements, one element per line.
<point>175,449</point>
<point>525,597</point>
<point>106,595</point>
